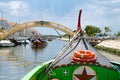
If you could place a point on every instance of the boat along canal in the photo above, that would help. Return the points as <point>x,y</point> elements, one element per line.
<point>16,62</point>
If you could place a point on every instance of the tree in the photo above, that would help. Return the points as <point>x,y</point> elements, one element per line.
<point>107,30</point>
<point>118,33</point>
<point>1,29</point>
<point>65,35</point>
<point>92,30</point>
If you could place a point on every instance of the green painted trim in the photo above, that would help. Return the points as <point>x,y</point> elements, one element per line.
<point>85,63</point>
<point>36,74</point>
<point>102,72</point>
<point>32,75</point>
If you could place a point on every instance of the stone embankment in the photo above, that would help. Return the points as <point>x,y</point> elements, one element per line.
<point>64,39</point>
<point>110,46</point>
<point>115,44</point>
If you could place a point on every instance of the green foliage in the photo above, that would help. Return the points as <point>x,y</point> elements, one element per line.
<point>111,50</point>
<point>65,35</point>
<point>92,30</point>
<point>105,34</point>
<point>1,29</point>
<point>107,29</point>
<point>118,34</point>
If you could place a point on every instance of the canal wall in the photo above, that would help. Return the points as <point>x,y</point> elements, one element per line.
<point>64,39</point>
<point>115,44</point>
<point>112,46</point>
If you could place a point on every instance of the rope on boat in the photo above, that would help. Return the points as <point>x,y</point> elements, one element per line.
<point>86,47</point>
<point>68,52</point>
<point>61,53</point>
<point>65,49</point>
<point>85,44</point>
<point>58,58</point>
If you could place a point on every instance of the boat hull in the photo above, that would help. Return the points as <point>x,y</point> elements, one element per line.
<point>6,43</point>
<point>92,71</point>
<point>39,44</point>
<point>36,72</point>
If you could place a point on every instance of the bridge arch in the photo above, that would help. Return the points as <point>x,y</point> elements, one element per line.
<point>19,27</point>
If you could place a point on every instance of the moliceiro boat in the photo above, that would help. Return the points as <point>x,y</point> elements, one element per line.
<point>38,42</point>
<point>78,60</point>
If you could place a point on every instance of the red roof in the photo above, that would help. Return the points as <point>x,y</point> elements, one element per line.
<point>11,24</point>
<point>3,19</point>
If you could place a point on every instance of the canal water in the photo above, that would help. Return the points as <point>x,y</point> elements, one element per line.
<point>15,62</point>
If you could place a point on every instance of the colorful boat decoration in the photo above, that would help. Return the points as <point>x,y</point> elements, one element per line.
<point>89,65</point>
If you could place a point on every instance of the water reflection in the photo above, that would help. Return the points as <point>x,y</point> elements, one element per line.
<point>17,61</point>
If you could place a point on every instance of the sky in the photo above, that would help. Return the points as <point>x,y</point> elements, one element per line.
<point>99,13</point>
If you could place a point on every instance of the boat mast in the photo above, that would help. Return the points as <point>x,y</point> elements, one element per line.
<point>79,21</point>
<point>79,29</point>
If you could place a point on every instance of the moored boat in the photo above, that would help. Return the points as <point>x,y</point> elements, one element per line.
<point>49,39</point>
<point>25,41</point>
<point>89,65</point>
<point>6,43</point>
<point>38,42</point>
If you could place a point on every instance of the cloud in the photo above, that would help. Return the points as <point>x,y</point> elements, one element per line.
<point>115,1</point>
<point>15,8</point>
<point>117,10</point>
<point>107,2</point>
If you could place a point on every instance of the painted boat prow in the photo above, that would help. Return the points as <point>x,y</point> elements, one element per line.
<point>64,67</point>
<point>33,74</point>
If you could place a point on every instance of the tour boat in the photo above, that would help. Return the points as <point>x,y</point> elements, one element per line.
<point>78,60</point>
<point>38,42</point>
<point>6,43</point>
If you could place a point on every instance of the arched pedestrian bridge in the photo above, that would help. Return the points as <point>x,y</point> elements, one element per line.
<point>19,27</point>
